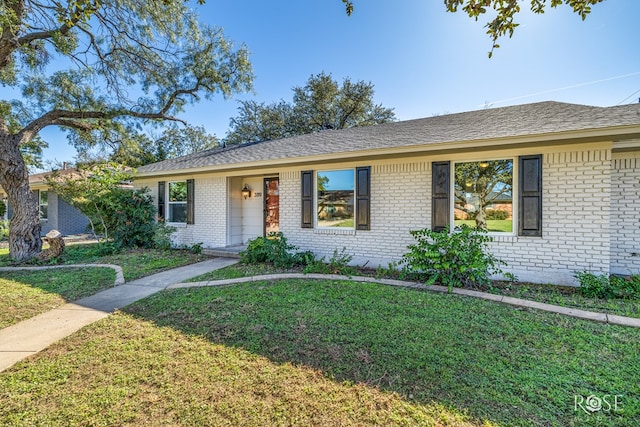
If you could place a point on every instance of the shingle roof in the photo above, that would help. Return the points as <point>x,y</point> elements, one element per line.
<point>490,124</point>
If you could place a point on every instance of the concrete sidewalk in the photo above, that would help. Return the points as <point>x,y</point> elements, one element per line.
<point>33,335</point>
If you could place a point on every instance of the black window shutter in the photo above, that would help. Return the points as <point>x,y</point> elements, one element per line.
<point>530,223</point>
<point>190,207</point>
<point>363,198</point>
<point>161,193</point>
<point>440,195</point>
<point>307,199</point>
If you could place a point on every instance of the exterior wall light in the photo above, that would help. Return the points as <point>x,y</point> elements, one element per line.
<point>246,192</point>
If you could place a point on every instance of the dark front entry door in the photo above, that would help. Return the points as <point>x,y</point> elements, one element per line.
<point>271,205</point>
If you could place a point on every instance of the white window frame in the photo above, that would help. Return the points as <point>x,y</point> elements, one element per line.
<point>40,205</point>
<point>514,193</point>
<point>169,202</point>
<point>315,200</point>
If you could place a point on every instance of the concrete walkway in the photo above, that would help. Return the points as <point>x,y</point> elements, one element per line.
<point>37,333</point>
<point>33,335</point>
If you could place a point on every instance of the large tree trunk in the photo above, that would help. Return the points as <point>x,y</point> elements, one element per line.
<point>24,229</point>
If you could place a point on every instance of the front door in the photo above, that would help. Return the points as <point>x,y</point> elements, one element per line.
<point>271,205</point>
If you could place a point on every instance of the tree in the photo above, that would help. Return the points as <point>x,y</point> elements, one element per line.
<point>480,184</point>
<point>115,211</point>
<point>116,62</point>
<point>505,12</point>
<point>173,142</point>
<point>319,105</point>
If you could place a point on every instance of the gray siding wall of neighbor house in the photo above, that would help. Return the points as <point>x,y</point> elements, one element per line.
<point>61,216</point>
<point>70,219</point>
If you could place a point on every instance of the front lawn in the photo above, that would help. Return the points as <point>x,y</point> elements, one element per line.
<point>28,293</point>
<point>305,352</point>
<point>565,296</point>
<point>493,225</point>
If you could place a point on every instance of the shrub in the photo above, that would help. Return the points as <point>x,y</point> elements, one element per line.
<point>338,264</point>
<point>3,208</point>
<point>162,235</point>
<point>458,258</point>
<point>4,230</point>
<point>272,249</point>
<point>606,286</point>
<point>497,214</point>
<point>133,224</point>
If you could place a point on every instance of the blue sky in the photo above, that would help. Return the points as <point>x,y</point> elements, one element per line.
<point>422,60</point>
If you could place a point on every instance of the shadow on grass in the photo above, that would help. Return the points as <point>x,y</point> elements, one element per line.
<point>487,360</point>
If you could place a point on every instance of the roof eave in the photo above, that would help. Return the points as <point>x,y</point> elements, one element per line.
<point>629,135</point>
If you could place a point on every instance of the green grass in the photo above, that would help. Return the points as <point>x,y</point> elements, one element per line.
<point>493,225</point>
<point>28,293</point>
<point>346,223</point>
<point>135,263</point>
<point>304,352</point>
<point>551,294</point>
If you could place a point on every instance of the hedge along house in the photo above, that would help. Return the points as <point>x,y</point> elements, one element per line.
<point>567,176</point>
<point>55,213</point>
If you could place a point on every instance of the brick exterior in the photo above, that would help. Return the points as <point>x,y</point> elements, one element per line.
<point>586,195</point>
<point>625,214</point>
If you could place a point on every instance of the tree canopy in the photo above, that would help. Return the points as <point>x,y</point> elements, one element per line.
<point>504,12</point>
<point>100,69</point>
<point>322,103</point>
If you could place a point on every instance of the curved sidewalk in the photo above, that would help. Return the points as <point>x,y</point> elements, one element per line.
<point>37,333</point>
<point>518,302</point>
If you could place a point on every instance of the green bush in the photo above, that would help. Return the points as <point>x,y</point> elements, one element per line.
<point>4,230</point>
<point>272,249</point>
<point>453,259</point>
<point>162,235</point>
<point>3,208</point>
<point>496,214</point>
<point>606,286</point>
<point>133,224</point>
<point>338,264</point>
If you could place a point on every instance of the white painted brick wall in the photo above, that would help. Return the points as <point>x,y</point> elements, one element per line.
<point>576,216</point>
<point>625,216</point>
<point>400,202</point>
<point>575,221</point>
<point>210,204</point>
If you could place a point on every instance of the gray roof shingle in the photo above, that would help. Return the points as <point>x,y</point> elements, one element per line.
<point>515,121</point>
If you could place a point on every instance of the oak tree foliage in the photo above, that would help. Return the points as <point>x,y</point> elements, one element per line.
<point>100,69</point>
<point>504,12</point>
<point>321,104</point>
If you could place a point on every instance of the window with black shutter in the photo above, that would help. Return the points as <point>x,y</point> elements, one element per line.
<point>530,219</point>
<point>161,200</point>
<point>440,199</point>
<point>363,198</point>
<point>307,199</point>
<point>190,206</point>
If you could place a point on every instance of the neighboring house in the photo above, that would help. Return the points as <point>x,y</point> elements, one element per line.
<point>572,173</point>
<point>55,213</point>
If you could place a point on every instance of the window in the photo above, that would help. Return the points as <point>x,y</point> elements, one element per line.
<point>483,195</point>
<point>43,204</point>
<point>176,201</point>
<point>335,198</point>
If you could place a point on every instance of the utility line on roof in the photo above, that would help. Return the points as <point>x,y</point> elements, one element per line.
<point>628,97</point>
<point>562,88</point>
